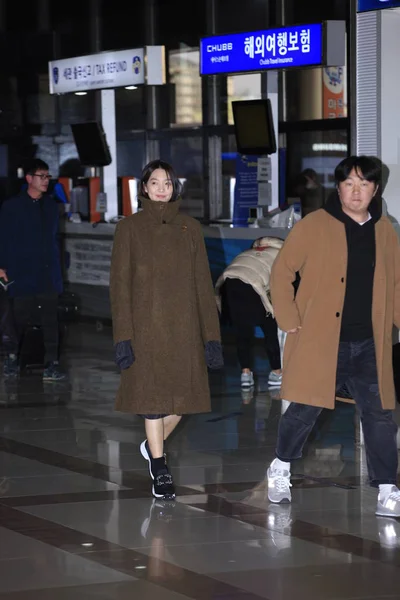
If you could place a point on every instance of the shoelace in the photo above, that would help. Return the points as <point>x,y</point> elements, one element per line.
<point>394,495</point>
<point>282,483</point>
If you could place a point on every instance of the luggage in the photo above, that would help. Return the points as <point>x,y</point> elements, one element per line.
<point>68,307</point>
<point>32,350</point>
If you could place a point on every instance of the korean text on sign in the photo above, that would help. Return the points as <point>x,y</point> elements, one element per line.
<point>284,41</point>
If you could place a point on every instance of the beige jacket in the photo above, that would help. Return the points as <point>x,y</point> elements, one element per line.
<point>253,267</point>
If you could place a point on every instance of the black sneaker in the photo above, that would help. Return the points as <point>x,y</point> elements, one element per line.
<point>52,372</point>
<point>10,366</point>
<point>145,452</point>
<point>163,485</point>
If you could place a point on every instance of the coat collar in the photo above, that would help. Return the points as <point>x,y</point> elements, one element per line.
<point>161,212</point>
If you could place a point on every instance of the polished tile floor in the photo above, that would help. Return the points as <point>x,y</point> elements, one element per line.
<point>77,519</point>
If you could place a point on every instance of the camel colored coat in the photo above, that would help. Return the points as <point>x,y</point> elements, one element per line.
<point>317,248</point>
<point>162,299</point>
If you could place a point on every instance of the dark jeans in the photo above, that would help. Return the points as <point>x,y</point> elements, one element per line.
<point>39,310</point>
<point>247,312</point>
<point>357,369</point>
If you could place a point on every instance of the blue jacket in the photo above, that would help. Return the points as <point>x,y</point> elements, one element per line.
<point>29,245</point>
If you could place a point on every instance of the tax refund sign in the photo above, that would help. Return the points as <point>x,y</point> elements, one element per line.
<point>97,71</point>
<point>282,48</point>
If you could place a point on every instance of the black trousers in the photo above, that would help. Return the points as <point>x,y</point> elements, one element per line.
<point>8,332</point>
<point>40,310</point>
<point>247,312</point>
<point>356,369</point>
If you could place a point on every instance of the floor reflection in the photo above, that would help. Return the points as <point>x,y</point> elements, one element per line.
<point>77,516</point>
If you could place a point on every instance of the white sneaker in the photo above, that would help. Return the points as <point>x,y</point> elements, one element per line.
<point>389,506</point>
<point>279,485</point>
<point>247,380</point>
<point>274,379</point>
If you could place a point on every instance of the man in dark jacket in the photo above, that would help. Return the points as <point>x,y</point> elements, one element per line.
<point>30,261</point>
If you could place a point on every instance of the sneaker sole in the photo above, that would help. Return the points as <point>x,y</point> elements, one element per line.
<point>146,456</point>
<point>163,496</point>
<point>283,501</point>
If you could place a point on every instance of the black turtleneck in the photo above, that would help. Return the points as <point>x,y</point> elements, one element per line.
<point>357,309</point>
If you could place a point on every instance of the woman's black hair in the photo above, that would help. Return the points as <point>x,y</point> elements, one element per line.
<point>366,167</point>
<point>149,170</point>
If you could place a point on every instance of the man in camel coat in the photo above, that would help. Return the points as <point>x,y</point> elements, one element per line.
<point>340,325</point>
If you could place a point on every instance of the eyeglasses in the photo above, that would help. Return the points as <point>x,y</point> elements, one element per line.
<point>42,176</point>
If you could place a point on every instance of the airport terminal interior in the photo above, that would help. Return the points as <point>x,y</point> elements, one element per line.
<point>167,79</point>
<point>78,519</point>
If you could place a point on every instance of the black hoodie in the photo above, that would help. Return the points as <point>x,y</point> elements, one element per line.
<point>357,309</point>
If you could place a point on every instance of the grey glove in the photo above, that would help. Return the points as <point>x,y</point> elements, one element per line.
<point>124,356</point>
<point>214,355</point>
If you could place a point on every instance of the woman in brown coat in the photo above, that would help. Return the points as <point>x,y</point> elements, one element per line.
<point>165,321</point>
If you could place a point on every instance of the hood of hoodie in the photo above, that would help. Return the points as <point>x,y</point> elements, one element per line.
<point>333,206</point>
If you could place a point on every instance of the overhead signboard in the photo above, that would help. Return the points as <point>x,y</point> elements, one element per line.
<point>317,44</point>
<point>108,70</point>
<point>97,71</point>
<point>365,5</point>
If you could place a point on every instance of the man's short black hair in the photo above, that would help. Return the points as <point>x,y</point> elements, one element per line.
<point>365,166</point>
<point>37,164</point>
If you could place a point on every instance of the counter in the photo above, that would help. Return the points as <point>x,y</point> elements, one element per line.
<point>88,255</point>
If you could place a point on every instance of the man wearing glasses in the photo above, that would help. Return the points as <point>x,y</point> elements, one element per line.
<point>30,264</point>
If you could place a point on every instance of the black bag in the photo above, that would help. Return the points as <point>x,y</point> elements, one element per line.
<point>32,350</point>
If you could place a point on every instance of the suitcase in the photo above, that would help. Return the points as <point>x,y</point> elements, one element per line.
<point>68,307</point>
<point>32,350</point>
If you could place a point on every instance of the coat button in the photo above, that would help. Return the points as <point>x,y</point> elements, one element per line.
<point>342,280</point>
<point>164,222</point>
<point>338,315</point>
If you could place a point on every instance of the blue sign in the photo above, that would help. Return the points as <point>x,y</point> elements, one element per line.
<point>246,189</point>
<point>364,5</point>
<point>283,48</point>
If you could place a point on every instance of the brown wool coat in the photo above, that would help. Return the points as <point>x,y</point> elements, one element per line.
<point>317,247</point>
<point>162,299</point>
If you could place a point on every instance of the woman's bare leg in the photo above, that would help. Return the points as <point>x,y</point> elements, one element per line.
<point>170,423</point>
<point>155,436</point>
